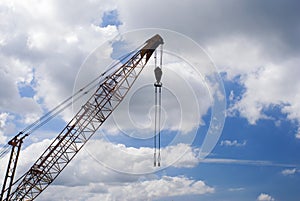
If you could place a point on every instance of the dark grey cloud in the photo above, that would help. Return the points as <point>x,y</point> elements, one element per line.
<point>274,25</point>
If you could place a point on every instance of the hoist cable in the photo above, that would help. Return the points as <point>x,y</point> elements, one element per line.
<point>68,101</point>
<point>161,56</point>
<point>159,120</point>
<point>159,108</point>
<point>155,110</point>
<point>29,128</point>
<point>71,97</point>
<point>155,126</point>
<point>4,150</point>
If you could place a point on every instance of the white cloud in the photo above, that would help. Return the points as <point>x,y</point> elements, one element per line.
<point>53,38</point>
<point>252,44</point>
<point>110,162</point>
<point>48,45</point>
<point>104,168</point>
<point>267,82</point>
<point>181,105</point>
<point>235,52</point>
<point>234,143</point>
<point>265,197</point>
<point>3,118</point>
<point>286,172</point>
<point>113,183</point>
<point>258,22</point>
<point>49,42</point>
<point>165,186</point>
<point>245,162</point>
<point>297,135</point>
<point>14,72</point>
<point>132,160</point>
<point>26,159</point>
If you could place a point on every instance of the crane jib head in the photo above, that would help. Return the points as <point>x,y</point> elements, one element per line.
<point>151,45</point>
<point>154,42</point>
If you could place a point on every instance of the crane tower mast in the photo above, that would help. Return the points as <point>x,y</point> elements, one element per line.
<point>110,92</point>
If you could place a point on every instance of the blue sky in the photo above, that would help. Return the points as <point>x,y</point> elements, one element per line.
<point>254,46</point>
<point>110,18</point>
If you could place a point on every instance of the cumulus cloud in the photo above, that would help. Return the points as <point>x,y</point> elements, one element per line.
<point>254,40</point>
<point>50,44</point>
<point>163,187</point>
<point>27,157</point>
<point>92,171</point>
<point>130,160</point>
<point>183,104</point>
<point>14,72</point>
<point>265,197</point>
<point>97,158</point>
<point>211,21</point>
<point>55,58</point>
<point>3,118</point>
<point>60,52</point>
<point>182,108</point>
<point>47,46</point>
<point>268,83</point>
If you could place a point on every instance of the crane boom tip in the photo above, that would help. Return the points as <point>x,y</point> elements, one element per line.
<point>156,40</point>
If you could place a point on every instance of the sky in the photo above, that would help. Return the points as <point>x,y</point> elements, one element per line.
<point>231,120</point>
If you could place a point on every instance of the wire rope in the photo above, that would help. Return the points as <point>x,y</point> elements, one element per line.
<point>67,102</point>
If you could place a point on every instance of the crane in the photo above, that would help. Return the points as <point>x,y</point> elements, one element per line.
<point>108,95</point>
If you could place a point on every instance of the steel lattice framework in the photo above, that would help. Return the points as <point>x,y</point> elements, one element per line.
<point>85,123</point>
<point>16,144</point>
